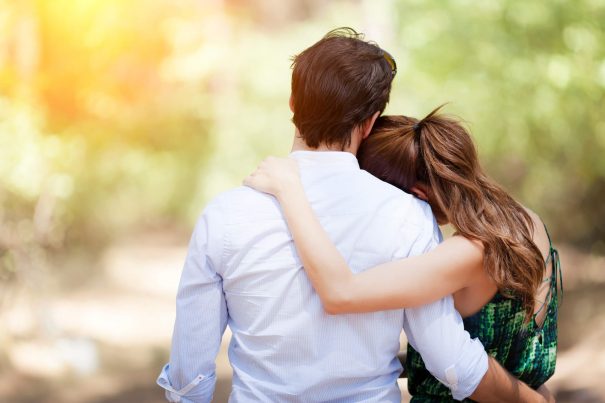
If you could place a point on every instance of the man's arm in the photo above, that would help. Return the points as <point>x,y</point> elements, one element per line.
<point>201,317</point>
<point>437,332</point>
<point>498,385</point>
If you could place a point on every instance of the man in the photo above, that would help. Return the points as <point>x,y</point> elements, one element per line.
<point>242,269</point>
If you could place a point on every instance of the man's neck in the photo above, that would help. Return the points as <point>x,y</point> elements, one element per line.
<point>299,144</point>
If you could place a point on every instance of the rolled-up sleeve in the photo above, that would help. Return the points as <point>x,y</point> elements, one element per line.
<point>436,330</point>
<point>201,316</point>
<point>200,389</point>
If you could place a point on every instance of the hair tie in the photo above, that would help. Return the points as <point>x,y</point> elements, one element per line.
<point>417,126</point>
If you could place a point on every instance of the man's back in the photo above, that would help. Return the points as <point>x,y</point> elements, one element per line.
<point>242,270</point>
<point>284,346</point>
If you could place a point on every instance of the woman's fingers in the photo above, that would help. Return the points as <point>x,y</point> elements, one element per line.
<point>258,181</point>
<point>272,174</point>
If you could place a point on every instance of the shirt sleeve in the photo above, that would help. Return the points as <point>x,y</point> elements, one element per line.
<point>436,330</point>
<point>201,316</point>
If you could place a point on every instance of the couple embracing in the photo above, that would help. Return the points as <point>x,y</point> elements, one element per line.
<point>325,257</point>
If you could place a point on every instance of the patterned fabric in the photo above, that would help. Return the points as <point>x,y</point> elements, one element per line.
<point>528,351</point>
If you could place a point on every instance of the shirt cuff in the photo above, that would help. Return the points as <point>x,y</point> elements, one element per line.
<point>463,378</point>
<point>199,390</point>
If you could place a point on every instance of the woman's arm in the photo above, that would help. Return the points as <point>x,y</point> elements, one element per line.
<point>398,284</point>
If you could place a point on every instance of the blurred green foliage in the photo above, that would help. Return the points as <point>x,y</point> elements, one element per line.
<point>529,77</point>
<point>116,115</point>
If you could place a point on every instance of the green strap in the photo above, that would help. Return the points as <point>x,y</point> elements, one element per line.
<point>558,271</point>
<point>550,248</point>
<point>548,235</point>
<point>553,256</point>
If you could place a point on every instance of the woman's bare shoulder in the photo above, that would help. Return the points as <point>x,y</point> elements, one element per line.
<point>539,236</point>
<point>464,253</point>
<point>465,244</point>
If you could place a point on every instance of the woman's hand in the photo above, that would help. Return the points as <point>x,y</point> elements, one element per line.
<point>276,176</point>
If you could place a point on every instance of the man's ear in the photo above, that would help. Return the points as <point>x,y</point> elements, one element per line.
<point>368,124</point>
<point>291,103</point>
<point>419,190</point>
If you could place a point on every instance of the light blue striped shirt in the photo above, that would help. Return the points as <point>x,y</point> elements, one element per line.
<point>242,270</point>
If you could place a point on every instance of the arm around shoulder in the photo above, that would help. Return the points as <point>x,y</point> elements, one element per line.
<point>409,282</point>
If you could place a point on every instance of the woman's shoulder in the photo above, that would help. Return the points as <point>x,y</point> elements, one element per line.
<point>464,253</point>
<point>533,215</point>
<point>540,234</point>
<point>464,244</point>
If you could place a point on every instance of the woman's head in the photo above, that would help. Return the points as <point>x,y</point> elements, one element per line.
<point>435,159</point>
<point>395,153</point>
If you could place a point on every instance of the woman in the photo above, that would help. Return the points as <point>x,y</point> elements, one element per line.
<point>500,264</point>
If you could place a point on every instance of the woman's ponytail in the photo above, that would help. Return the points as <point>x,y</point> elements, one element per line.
<point>438,152</point>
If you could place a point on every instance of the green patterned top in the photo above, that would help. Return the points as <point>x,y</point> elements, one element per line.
<point>528,351</point>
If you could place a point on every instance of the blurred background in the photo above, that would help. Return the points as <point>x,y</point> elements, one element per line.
<point>120,119</point>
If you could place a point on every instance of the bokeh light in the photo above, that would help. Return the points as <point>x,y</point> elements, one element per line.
<point>120,119</point>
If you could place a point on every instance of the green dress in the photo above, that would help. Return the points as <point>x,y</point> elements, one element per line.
<point>527,351</point>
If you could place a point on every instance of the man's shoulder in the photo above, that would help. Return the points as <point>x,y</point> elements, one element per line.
<point>237,194</point>
<point>383,190</point>
<point>242,201</point>
<point>397,203</point>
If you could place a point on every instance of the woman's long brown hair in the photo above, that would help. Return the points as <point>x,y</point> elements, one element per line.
<point>438,151</point>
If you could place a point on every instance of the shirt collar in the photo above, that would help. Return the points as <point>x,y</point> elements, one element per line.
<point>338,158</point>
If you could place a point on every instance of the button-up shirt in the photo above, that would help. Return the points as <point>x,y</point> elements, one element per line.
<point>243,271</point>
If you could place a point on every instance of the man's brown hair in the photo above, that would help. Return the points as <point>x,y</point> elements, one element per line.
<point>337,84</point>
